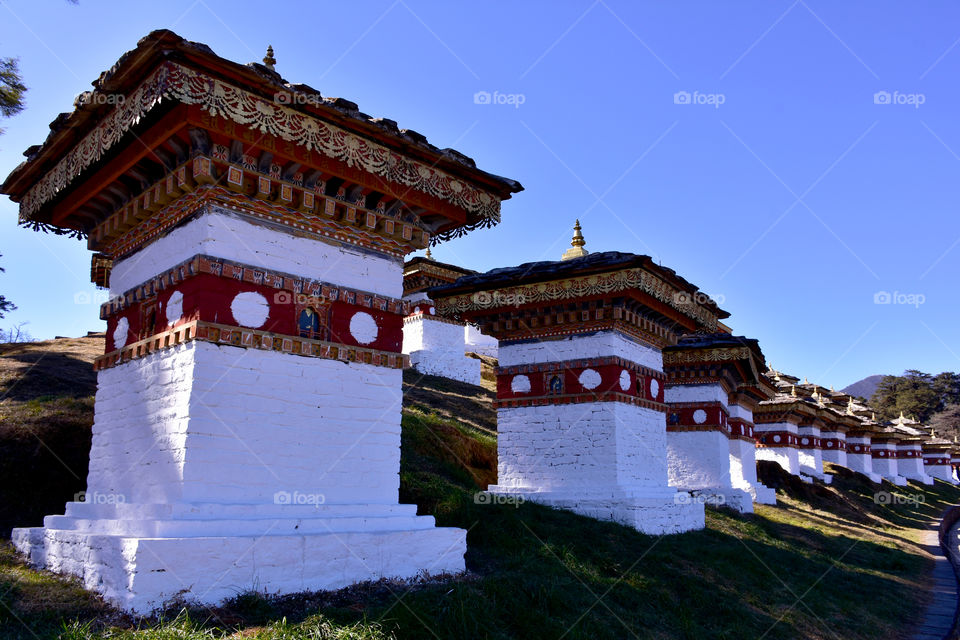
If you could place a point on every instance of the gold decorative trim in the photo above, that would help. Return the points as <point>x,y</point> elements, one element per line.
<point>172,81</point>
<point>251,339</point>
<point>578,288</point>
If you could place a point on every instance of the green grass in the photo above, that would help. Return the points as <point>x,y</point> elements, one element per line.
<point>827,562</point>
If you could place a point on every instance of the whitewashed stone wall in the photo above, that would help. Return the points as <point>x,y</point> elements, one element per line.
<point>886,465</point>
<point>605,460</point>
<point>833,453</point>
<point>810,459</point>
<point>218,449</point>
<point>743,462</point>
<point>858,460</point>
<point>940,471</point>
<point>223,234</point>
<point>700,460</point>
<point>603,343</point>
<point>912,467</point>
<point>217,469</point>
<point>786,457</point>
<point>436,347</point>
<point>479,343</point>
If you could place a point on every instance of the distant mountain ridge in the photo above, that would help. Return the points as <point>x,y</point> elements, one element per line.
<point>864,388</point>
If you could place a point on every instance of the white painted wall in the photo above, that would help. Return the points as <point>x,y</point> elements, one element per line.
<point>479,343</point>
<point>810,460</point>
<point>834,454</point>
<point>604,343</point>
<point>224,234</point>
<point>436,348</point>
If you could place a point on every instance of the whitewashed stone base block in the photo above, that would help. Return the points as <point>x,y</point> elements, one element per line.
<point>743,472</point>
<point>940,472</point>
<point>644,509</point>
<point>786,457</point>
<point>913,469</point>
<point>602,459</point>
<point>215,470</point>
<point>699,461</point>
<point>436,347</point>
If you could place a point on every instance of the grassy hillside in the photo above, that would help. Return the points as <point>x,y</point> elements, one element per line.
<point>828,562</point>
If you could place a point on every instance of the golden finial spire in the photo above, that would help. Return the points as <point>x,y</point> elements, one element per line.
<point>793,390</point>
<point>429,255</point>
<point>805,380</point>
<point>268,60</point>
<point>576,249</point>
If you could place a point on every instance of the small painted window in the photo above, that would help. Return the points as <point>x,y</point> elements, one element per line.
<point>309,323</point>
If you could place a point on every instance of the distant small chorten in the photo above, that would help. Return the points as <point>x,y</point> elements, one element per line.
<point>576,249</point>
<point>268,60</point>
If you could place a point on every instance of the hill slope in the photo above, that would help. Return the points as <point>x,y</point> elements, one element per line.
<point>863,388</point>
<point>828,562</point>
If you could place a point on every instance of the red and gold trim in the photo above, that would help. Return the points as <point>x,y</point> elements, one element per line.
<point>833,444</point>
<point>740,428</point>
<point>252,339</point>
<point>809,442</point>
<point>296,287</point>
<point>859,449</point>
<point>607,379</point>
<point>776,440</point>
<point>697,416</point>
<point>209,289</point>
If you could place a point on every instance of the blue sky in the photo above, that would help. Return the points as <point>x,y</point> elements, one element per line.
<point>743,144</point>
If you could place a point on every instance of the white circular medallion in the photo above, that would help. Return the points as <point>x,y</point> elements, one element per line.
<point>250,309</point>
<point>654,388</point>
<point>699,416</point>
<point>805,441</point>
<point>120,333</point>
<point>625,380</point>
<point>432,311</point>
<point>829,443</point>
<point>520,384</point>
<point>363,327</point>
<point>776,438</point>
<point>590,379</point>
<point>174,310</point>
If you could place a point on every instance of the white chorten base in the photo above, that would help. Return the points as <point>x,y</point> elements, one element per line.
<point>216,470</point>
<point>940,472</point>
<point>913,469</point>
<point>786,457</point>
<point>140,557</point>
<point>863,463</point>
<point>699,462</point>
<point>651,511</point>
<point>448,363</point>
<point>743,468</point>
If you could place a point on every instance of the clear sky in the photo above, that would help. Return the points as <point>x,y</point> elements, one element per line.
<point>743,144</point>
